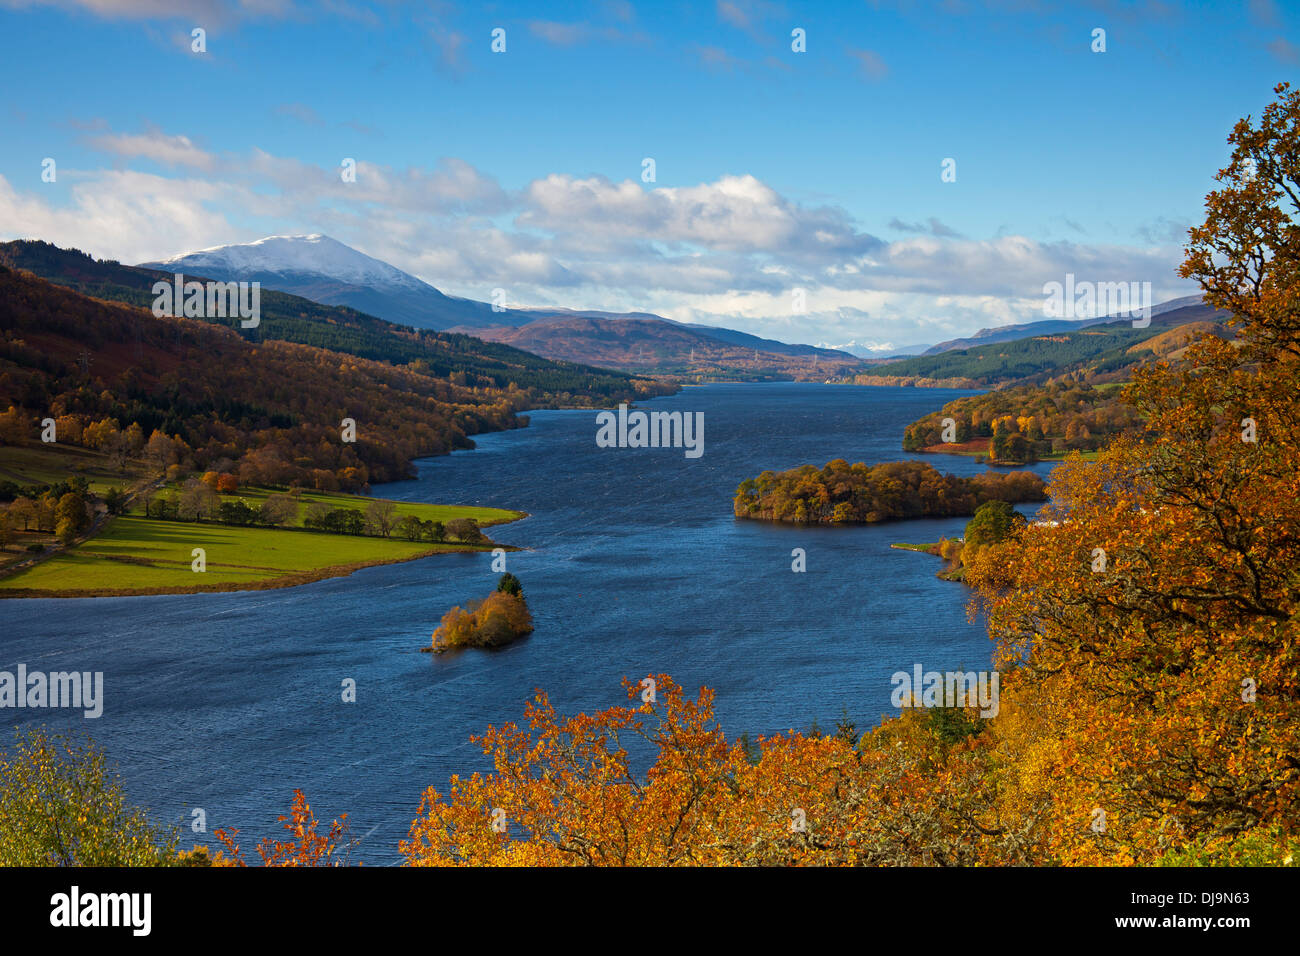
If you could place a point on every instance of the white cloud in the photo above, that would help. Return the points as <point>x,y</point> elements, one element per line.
<point>122,214</point>
<point>559,34</point>
<point>733,213</point>
<point>168,150</point>
<point>197,11</point>
<point>726,252</point>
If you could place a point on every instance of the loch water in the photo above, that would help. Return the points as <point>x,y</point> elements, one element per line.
<point>632,564</point>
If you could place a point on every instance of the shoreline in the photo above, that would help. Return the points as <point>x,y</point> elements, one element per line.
<point>292,580</point>
<point>289,578</point>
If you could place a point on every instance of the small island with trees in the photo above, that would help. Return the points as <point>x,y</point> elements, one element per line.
<point>499,619</point>
<point>840,493</point>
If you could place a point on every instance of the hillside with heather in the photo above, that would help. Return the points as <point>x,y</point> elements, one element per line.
<point>653,346</point>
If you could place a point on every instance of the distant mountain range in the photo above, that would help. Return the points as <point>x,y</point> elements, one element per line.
<point>293,318</point>
<point>1096,350</point>
<point>1009,333</point>
<point>325,270</point>
<point>322,273</point>
<point>660,346</point>
<point>872,352</point>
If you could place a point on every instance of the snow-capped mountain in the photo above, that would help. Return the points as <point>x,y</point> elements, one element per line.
<point>325,270</point>
<point>315,254</point>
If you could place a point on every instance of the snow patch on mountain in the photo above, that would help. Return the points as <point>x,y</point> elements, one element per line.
<point>315,254</point>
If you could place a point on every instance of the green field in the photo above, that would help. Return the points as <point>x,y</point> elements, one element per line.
<point>337,499</point>
<point>37,464</point>
<point>136,555</point>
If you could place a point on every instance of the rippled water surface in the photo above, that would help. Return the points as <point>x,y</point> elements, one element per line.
<point>634,565</point>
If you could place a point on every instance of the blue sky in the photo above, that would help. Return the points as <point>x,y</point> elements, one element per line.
<point>774,170</point>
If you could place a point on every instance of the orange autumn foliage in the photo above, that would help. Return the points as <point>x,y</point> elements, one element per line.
<point>1166,685</point>
<point>1147,636</point>
<point>498,619</point>
<point>565,792</point>
<point>306,848</point>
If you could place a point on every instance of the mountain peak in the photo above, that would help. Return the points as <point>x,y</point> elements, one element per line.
<point>315,255</point>
<point>325,270</point>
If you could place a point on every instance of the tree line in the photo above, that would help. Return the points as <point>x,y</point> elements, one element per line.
<point>198,500</point>
<point>63,509</point>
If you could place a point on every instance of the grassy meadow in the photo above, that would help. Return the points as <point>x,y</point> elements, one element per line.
<point>37,464</point>
<point>134,554</point>
<point>337,499</point>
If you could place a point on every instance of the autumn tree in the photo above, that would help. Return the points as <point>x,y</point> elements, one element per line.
<point>134,438</point>
<point>118,446</point>
<point>381,516</point>
<point>565,792</point>
<point>197,500</point>
<point>657,783</point>
<point>160,451</point>
<point>61,805</point>
<point>464,529</point>
<point>24,510</point>
<point>70,517</point>
<point>498,619</point>
<point>46,507</point>
<point>305,847</point>
<point>1157,616</point>
<point>278,509</point>
<point>69,429</point>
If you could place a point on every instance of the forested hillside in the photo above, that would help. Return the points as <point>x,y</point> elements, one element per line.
<point>197,395</point>
<point>1097,354</point>
<point>1027,422</point>
<point>291,318</point>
